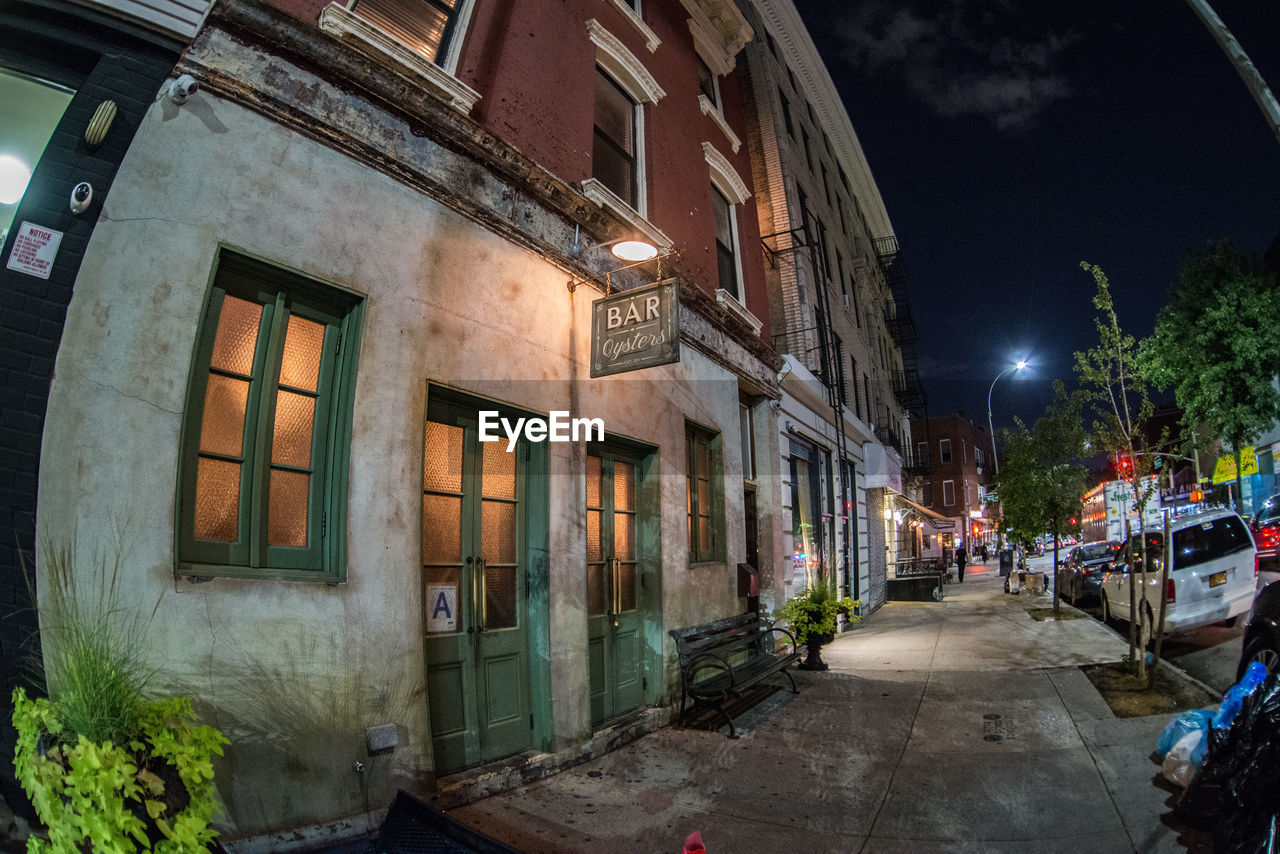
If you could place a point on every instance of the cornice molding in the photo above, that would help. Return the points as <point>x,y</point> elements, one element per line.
<point>724,176</point>
<point>651,40</point>
<point>709,110</point>
<point>720,32</point>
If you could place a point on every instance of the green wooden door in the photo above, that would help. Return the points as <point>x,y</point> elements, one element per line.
<point>615,592</point>
<point>474,580</point>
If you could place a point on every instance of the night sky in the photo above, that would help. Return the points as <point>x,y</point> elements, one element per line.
<point>1013,140</point>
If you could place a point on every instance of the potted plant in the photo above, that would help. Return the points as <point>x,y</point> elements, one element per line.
<point>811,617</point>
<point>107,768</point>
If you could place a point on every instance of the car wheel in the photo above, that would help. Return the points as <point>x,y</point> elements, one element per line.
<point>1263,649</point>
<point>1106,610</point>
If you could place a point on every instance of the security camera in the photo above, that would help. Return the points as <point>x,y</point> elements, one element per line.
<point>81,196</point>
<point>183,88</point>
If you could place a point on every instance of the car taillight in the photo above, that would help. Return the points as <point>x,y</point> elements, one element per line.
<point>1268,536</point>
<point>1169,593</point>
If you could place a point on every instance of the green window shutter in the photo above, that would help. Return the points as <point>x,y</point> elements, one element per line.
<point>267,427</point>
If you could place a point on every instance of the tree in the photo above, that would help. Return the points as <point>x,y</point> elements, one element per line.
<point>1117,391</point>
<point>1043,479</point>
<point>1217,343</point>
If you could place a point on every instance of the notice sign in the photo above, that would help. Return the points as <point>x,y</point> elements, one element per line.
<point>34,250</point>
<point>635,329</point>
<point>442,608</point>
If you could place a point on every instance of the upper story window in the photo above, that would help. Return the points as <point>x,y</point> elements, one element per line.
<point>948,493</point>
<point>614,149</point>
<point>708,84</point>
<point>786,115</point>
<point>726,242</point>
<point>944,450</point>
<point>425,26</point>
<point>704,494</point>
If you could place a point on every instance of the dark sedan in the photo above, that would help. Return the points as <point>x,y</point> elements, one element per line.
<point>1080,573</point>
<point>1262,638</point>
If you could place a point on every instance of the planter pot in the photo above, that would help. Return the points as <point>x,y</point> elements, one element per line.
<point>813,645</point>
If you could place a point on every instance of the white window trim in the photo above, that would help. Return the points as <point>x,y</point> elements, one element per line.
<point>944,451</point>
<point>339,21</point>
<point>651,40</point>
<point>709,109</point>
<point>623,65</point>
<point>734,306</point>
<point>724,176</point>
<point>945,484</point>
<point>607,199</point>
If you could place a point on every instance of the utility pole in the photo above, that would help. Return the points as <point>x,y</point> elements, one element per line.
<point>1244,66</point>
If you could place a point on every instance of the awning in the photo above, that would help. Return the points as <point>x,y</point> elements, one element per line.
<point>935,520</point>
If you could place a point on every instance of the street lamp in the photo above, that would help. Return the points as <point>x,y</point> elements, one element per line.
<point>1020,366</point>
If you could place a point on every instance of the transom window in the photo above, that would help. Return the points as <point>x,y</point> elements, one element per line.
<point>267,426</point>
<point>424,26</point>
<point>613,153</point>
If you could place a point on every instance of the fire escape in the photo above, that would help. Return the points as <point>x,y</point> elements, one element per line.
<point>907,388</point>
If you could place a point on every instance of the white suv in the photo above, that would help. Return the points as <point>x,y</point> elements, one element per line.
<point>1211,577</point>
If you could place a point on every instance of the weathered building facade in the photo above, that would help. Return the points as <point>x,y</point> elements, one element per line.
<point>838,311</point>
<point>312,292</point>
<point>959,453</point>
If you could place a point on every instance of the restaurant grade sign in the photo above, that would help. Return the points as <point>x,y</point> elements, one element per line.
<point>635,329</point>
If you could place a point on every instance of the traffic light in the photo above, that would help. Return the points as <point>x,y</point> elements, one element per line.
<point>1197,495</point>
<point>977,529</point>
<point>1124,465</point>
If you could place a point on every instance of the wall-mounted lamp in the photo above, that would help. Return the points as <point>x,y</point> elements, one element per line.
<point>635,251</point>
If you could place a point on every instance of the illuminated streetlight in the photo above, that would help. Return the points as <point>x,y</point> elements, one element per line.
<point>1020,366</point>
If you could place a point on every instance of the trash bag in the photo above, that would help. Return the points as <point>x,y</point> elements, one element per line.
<point>1237,792</point>
<point>1179,766</point>
<point>1194,720</point>
<point>1231,700</point>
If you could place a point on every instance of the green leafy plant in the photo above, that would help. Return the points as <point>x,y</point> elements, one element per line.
<point>107,769</point>
<point>813,613</point>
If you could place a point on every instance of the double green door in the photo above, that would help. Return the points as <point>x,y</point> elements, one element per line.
<point>615,586</point>
<point>475,591</point>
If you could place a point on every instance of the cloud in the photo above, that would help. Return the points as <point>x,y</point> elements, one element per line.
<point>960,61</point>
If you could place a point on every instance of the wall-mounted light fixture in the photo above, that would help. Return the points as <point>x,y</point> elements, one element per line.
<point>634,250</point>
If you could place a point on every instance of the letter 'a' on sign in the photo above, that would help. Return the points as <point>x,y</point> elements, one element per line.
<point>442,608</point>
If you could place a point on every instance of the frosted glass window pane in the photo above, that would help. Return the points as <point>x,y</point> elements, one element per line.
<point>704,534</point>
<point>498,532</point>
<point>442,458</point>
<point>704,495</point>
<point>499,469</point>
<point>596,591</point>
<point>593,481</point>
<point>441,529</point>
<point>627,584</point>
<point>500,597</point>
<point>624,486</point>
<point>222,430</point>
<point>237,335</point>
<point>624,543</point>
<point>303,343</point>
<point>593,535</point>
<point>218,501</point>
<point>287,513</point>
<point>291,442</point>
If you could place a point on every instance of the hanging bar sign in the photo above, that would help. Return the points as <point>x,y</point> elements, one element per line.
<point>635,329</point>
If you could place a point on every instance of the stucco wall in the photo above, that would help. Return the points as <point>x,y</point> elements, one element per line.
<point>295,672</point>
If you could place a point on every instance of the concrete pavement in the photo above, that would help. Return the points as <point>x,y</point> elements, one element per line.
<point>957,726</point>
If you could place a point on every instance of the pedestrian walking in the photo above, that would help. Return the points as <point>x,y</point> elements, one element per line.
<point>983,551</point>
<point>961,559</point>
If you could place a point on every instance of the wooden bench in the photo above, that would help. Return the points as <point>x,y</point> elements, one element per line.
<point>720,660</point>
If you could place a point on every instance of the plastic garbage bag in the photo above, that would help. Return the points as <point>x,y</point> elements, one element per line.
<point>1194,720</point>
<point>1237,793</point>
<point>1178,766</point>
<point>1235,695</point>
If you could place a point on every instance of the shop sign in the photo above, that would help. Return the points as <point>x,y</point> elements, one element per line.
<point>442,608</point>
<point>1225,469</point>
<point>635,329</point>
<point>34,249</point>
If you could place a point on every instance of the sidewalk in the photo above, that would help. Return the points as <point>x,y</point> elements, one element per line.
<point>957,726</point>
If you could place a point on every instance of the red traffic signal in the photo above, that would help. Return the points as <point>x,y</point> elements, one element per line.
<point>1197,495</point>
<point>1124,464</point>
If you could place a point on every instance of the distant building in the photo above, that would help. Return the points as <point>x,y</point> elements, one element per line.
<point>958,451</point>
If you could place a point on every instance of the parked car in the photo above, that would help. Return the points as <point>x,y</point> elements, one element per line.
<point>1080,574</point>
<point>1211,578</point>
<point>1262,638</point>
<point>1265,525</point>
